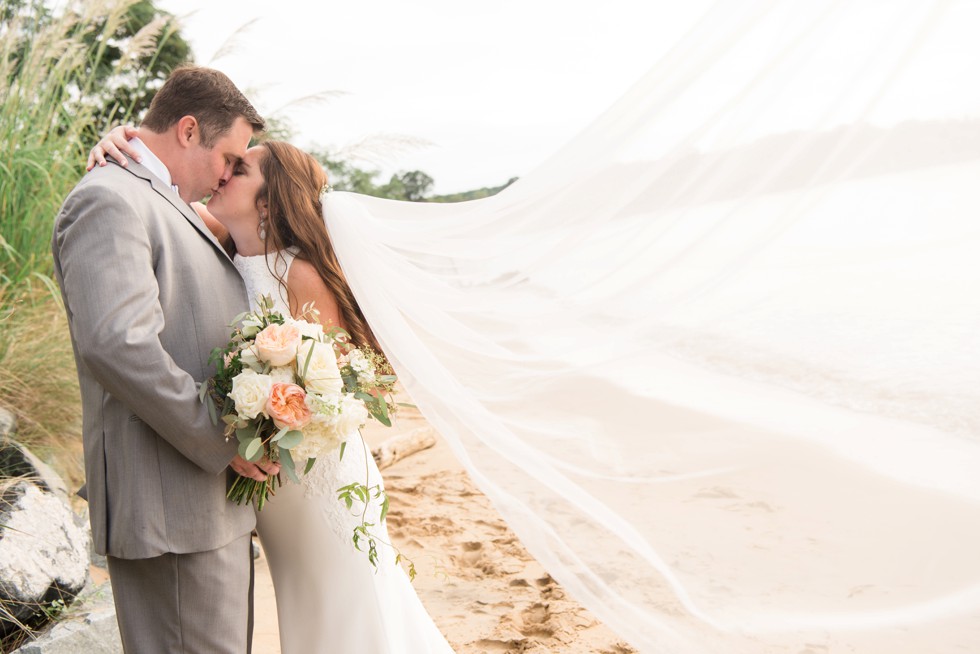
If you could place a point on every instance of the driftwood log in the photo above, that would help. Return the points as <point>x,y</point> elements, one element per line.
<point>401,445</point>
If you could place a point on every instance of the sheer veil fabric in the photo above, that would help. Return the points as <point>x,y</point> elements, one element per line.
<point>717,362</point>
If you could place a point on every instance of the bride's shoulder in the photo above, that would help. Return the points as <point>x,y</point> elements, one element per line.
<point>305,286</point>
<point>303,275</point>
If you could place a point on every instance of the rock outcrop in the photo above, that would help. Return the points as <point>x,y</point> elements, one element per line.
<point>44,545</point>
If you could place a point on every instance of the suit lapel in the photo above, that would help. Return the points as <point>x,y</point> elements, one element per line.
<point>171,196</point>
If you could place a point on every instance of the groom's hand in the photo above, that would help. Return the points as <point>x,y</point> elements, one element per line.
<point>259,471</point>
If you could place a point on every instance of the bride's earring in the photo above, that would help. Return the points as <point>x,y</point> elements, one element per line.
<point>262,226</point>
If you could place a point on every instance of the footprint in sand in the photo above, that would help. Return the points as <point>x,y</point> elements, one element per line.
<point>715,493</point>
<point>476,559</point>
<point>536,622</point>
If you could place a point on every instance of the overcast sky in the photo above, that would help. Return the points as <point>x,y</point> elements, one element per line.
<point>493,87</point>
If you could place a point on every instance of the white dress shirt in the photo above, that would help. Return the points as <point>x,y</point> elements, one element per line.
<point>152,162</point>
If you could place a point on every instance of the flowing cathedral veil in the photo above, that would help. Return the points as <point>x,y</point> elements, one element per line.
<point>717,362</point>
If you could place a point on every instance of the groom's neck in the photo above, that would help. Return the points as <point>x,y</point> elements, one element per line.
<point>159,144</point>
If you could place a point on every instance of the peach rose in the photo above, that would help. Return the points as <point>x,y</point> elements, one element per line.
<point>277,344</point>
<point>287,406</point>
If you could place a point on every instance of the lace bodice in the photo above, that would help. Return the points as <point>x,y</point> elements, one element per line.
<point>330,472</point>
<point>257,271</point>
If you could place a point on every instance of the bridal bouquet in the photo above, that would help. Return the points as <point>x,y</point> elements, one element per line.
<point>290,390</point>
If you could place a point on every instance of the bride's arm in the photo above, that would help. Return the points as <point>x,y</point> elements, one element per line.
<point>115,144</point>
<point>212,223</point>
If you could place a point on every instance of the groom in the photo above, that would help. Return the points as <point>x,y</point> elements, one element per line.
<point>149,292</point>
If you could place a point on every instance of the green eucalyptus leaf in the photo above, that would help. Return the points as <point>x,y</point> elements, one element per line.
<point>242,447</point>
<point>383,409</point>
<point>309,465</point>
<point>253,451</point>
<point>290,440</point>
<point>245,434</point>
<point>286,459</point>
<point>212,410</point>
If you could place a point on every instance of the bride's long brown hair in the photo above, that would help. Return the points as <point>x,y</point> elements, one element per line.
<point>293,184</point>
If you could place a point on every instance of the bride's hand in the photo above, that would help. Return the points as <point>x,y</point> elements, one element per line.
<point>114,144</point>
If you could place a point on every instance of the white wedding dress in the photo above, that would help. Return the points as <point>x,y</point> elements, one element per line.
<point>329,596</point>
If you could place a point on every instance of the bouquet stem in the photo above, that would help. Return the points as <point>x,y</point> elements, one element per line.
<point>248,491</point>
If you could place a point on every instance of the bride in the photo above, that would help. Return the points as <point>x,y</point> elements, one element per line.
<point>329,596</point>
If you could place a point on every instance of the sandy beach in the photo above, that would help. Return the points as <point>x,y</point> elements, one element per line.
<point>481,587</point>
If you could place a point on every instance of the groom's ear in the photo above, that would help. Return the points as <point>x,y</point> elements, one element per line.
<point>188,132</point>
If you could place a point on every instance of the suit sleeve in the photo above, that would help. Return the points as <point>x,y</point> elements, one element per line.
<point>112,300</point>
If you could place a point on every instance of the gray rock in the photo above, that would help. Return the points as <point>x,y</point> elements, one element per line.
<point>18,461</point>
<point>89,627</point>
<point>44,549</point>
<point>8,424</point>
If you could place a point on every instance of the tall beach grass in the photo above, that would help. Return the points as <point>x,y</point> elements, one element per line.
<point>52,72</point>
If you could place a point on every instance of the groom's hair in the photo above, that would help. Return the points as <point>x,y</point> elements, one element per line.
<point>206,94</point>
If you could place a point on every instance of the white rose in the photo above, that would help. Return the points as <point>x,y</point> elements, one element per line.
<point>282,375</point>
<point>353,415</point>
<point>250,392</point>
<point>309,329</point>
<point>321,374</point>
<point>250,359</point>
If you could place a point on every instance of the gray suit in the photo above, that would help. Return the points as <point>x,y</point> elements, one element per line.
<point>148,292</point>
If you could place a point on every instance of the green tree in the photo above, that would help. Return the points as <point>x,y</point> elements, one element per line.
<point>415,185</point>
<point>130,52</point>
<point>475,194</point>
<point>150,38</point>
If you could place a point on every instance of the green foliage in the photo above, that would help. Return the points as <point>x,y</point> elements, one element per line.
<point>148,38</point>
<point>476,194</point>
<point>60,75</point>
<point>413,186</point>
<point>62,79</point>
<point>358,498</point>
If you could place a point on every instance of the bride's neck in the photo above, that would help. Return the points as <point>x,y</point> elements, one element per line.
<point>247,242</point>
